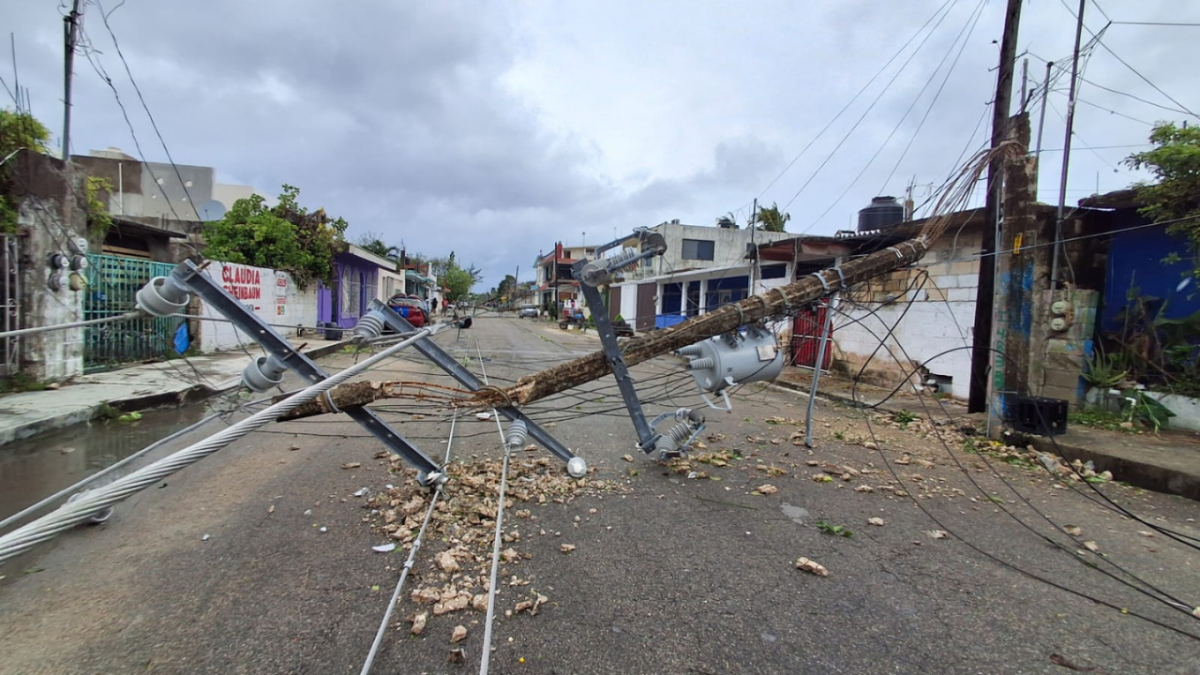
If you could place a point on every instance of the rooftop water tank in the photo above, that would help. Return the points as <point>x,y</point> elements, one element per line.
<point>883,212</point>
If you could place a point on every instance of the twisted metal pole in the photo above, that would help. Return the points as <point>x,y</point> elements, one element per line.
<point>96,501</point>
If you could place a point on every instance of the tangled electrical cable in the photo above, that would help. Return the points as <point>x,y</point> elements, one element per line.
<point>1121,575</point>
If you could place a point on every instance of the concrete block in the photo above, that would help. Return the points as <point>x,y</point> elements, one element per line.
<point>970,267</point>
<point>968,280</point>
<point>1066,394</point>
<point>1064,346</point>
<point>1068,380</point>
<point>944,281</point>
<point>961,295</point>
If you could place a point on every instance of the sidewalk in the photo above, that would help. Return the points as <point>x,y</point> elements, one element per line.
<point>1168,462</point>
<point>138,387</point>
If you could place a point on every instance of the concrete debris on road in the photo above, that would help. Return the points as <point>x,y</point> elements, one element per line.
<point>878,522</point>
<point>458,634</point>
<point>812,566</point>
<point>418,622</point>
<point>567,548</point>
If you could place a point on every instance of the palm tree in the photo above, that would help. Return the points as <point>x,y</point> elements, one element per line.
<point>728,221</point>
<point>770,219</point>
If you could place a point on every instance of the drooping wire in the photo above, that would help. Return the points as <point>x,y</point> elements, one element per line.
<point>408,563</point>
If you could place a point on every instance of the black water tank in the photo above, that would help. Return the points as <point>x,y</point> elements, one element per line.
<point>883,212</point>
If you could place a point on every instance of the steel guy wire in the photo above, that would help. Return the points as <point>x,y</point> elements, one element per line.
<point>96,501</point>
<point>491,610</point>
<point>408,563</point>
<point>104,472</point>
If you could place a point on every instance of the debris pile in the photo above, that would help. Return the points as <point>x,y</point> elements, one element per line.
<point>456,578</point>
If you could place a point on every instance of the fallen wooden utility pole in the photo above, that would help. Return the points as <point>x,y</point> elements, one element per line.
<point>579,371</point>
<point>774,302</point>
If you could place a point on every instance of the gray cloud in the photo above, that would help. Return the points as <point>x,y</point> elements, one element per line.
<point>494,131</point>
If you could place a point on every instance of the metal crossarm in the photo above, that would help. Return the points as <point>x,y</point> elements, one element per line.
<point>448,363</point>
<point>647,438</point>
<point>189,275</point>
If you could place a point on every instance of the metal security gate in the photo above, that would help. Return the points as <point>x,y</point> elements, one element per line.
<point>10,305</point>
<point>806,336</point>
<point>113,283</point>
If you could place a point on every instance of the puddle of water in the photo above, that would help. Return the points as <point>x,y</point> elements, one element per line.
<point>796,513</point>
<point>37,467</point>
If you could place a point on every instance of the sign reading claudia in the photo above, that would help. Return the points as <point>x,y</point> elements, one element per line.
<point>243,283</point>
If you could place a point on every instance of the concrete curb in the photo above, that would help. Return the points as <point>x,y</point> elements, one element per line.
<point>1151,473</point>
<point>161,399</point>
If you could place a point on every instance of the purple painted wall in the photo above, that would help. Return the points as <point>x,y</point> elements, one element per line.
<point>356,280</point>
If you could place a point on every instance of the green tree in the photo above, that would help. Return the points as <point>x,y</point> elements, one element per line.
<point>458,281</point>
<point>770,219</point>
<point>1174,161</point>
<point>284,237</point>
<point>18,131</point>
<point>374,243</point>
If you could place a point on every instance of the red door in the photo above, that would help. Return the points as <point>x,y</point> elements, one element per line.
<point>806,336</point>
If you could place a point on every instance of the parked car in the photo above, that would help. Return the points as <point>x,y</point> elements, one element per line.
<point>527,311</point>
<point>411,308</point>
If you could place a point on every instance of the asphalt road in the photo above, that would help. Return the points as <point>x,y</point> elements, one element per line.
<point>670,575</point>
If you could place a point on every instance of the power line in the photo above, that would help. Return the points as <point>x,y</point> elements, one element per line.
<point>866,112</point>
<point>1126,63</point>
<point>854,98</point>
<point>182,184</point>
<point>932,103</point>
<point>1154,23</point>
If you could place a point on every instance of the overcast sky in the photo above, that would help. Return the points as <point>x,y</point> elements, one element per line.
<point>494,129</point>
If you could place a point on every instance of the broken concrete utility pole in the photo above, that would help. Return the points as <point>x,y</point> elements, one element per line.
<point>774,302</point>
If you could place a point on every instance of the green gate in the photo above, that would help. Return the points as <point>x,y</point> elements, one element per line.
<point>113,283</point>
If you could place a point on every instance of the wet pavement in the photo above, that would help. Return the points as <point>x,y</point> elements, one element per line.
<point>258,559</point>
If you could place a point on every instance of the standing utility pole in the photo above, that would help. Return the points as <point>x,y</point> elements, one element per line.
<point>754,262</point>
<point>1024,84</point>
<point>1042,116</point>
<point>71,31</point>
<point>1062,187</point>
<point>981,354</point>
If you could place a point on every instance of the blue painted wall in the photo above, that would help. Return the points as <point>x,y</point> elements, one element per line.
<point>1135,259</point>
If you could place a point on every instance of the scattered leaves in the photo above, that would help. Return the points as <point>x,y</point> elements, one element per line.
<point>1073,530</point>
<point>838,530</point>
<point>766,489</point>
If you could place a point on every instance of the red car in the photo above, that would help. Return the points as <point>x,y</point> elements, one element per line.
<point>410,307</point>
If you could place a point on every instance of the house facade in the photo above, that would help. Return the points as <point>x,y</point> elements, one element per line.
<point>554,279</point>
<point>356,281</point>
